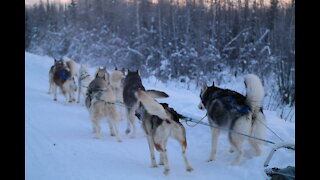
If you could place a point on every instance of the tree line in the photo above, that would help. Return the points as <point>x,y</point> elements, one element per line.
<point>187,40</point>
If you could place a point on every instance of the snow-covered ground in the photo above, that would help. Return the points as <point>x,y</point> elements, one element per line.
<point>59,143</point>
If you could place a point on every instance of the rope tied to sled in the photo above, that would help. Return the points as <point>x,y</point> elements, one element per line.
<point>186,119</point>
<point>225,129</point>
<point>196,123</point>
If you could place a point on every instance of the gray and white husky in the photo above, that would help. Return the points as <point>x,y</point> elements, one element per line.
<point>158,131</point>
<point>83,81</point>
<point>133,84</point>
<point>101,101</point>
<point>99,83</point>
<point>229,109</point>
<point>61,77</point>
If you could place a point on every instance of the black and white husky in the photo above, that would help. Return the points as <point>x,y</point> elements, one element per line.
<point>132,85</point>
<point>229,109</point>
<point>158,131</point>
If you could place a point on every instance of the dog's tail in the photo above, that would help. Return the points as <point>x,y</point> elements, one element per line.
<point>157,94</point>
<point>254,98</point>
<point>255,92</point>
<point>72,65</point>
<point>151,105</point>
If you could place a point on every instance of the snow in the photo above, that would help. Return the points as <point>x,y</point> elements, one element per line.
<point>59,142</point>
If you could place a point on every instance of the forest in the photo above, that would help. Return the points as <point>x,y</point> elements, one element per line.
<point>189,41</point>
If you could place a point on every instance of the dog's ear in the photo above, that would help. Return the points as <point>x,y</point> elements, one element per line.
<point>204,85</point>
<point>123,70</point>
<point>55,60</point>
<point>212,84</point>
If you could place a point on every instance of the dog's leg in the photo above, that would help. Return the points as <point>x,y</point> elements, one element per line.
<point>71,95</point>
<point>116,127</point>
<point>241,125</point>
<point>50,87</point>
<point>161,159</point>
<point>96,126</point>
<point>214,142</point>
<point>151,148</point>
<point>160,139</point>
<point>72,90</point>
<point>131,120</point>
<point>113,120</point>
<point>79,94</point>
<point>128,121</point>
<point>236,141</point>
<point>166,162</point>
<point>183,143</point>
<point>186,161</point>
<point>231,150</point>
<point>111,128</point>
<point>55,92</point>
<point>256,146</point>
<point>257,130</point>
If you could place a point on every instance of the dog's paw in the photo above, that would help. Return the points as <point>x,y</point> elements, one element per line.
<point>234,163</point>
<point>161,163</point>
<point>97,137</point>
<point>127,131</point>
<point>211,159</point>
<point>189,169</point>
<point>133,136</point>
<point>119,140</point>
<point>231,150</point>
<point>166,171</point>
<point>154,166</point>
<point>112,134</point>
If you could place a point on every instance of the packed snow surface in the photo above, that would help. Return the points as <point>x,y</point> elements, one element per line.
<point>59,142</point>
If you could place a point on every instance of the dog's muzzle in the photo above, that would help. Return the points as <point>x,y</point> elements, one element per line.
<point>201,106</point>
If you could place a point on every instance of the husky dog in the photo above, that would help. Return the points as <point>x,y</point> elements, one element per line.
<point>226,108</point>
<point>100,83</point>
<point>83,81</point>
<point>62,78</point>
<point>56,62</point>
<point>158,131</point>
<point>132,84</point>
<point>102,104</point>
<point>116,81</point>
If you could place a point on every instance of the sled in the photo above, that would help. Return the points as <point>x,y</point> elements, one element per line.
<point>287,173</point>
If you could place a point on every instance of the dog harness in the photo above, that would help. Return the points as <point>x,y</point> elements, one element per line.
<point>63,74</point>
<point>231,102</point>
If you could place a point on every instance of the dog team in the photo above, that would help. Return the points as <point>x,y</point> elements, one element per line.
<point>103,92</point>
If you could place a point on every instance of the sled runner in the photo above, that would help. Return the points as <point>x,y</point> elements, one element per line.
<point>287,173</point>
